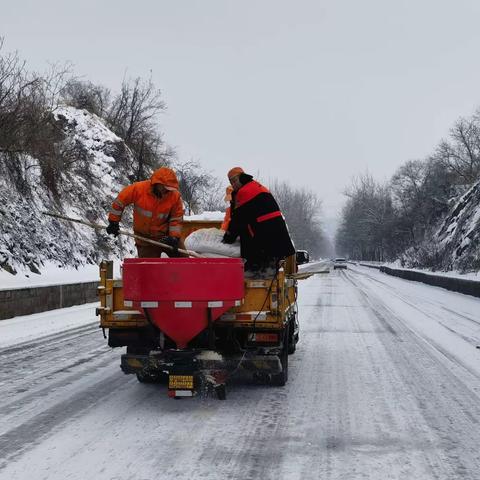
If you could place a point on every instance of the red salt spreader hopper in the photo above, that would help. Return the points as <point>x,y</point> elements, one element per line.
<point>181,296</point>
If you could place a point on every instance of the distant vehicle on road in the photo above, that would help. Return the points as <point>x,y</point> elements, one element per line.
<point>339,263</point>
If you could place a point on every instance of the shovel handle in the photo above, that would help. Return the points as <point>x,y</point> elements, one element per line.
<point>98,226</point>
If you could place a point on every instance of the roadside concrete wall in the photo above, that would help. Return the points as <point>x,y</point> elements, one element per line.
<point>25,301</point>
<point>462,285</point>
<point>369,265</point>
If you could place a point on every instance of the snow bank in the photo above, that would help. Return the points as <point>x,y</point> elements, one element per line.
<point>452,274</point>
<point>31,327</point>
<point>52,274</point>
<point>454,246</point>
<point>28,239</point>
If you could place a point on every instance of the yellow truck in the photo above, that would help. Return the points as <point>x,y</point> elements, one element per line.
<point>195,322</point>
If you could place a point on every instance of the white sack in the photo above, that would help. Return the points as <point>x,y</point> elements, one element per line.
<point>208,241</point>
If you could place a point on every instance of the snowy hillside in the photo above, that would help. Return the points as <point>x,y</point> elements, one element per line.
<point>96,166</point>
<point>459,235</point>
<point>455,245</point>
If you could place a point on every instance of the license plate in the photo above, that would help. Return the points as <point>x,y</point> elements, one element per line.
<point>180,382</point>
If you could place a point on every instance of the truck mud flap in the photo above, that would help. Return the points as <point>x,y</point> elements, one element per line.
<point>134,363</point>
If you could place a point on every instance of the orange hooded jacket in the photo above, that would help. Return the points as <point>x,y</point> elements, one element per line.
<point>153,217</point>
<point>228,212</point>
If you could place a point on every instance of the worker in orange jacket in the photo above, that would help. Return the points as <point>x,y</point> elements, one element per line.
<point>157,212</point>
<point>228,212</point>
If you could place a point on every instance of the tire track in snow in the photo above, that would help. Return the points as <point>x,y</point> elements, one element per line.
<point>46,363</point>
<point>17,440</point>
<point>28,395</point>
<point>472,341</point>
<point>404,297</point>
<point>48,340</point>
<point>366,399</point>
<point>450,408</point>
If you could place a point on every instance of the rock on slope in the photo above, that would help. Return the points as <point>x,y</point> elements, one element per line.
<point>455,244</point>
<point>97,164</point>
<point>459,235</point>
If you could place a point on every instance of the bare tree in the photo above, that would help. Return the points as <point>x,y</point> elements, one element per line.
<point>213,197</point>
<point>461,152</point>
<point>197,186</point>
<point>27,125</point>
<point>302,211</point>
<point>367,227</point>
<point>133,115</point>
<point>86,95</point>
<point>408,196</point>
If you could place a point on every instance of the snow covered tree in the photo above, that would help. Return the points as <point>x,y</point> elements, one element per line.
<point>367,228</point>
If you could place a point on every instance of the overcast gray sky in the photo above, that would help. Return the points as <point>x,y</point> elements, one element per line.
<point>307,91</point>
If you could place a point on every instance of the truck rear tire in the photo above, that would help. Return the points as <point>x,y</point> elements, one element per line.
<point>221,392</point>
<point>292,339</point>
<point>280,379</point>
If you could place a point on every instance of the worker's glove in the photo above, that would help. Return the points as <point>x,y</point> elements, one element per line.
<point>171,242</point>
<point>228,238</point>
<point>113,228</point>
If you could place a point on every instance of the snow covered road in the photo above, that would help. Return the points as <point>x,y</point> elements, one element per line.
<point>385,384</point>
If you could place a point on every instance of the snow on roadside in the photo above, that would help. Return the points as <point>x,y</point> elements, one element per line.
<point>319,265</point>
<point>396,265</point>
<point>452,274</point>
<point>445,319</point>
<point>89,130</point>
<point>52,274</point>
<point>31,327</point>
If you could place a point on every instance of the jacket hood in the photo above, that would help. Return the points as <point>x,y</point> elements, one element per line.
<point>166,177</point>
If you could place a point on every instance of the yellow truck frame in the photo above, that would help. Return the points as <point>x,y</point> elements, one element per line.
<point>258,335</point>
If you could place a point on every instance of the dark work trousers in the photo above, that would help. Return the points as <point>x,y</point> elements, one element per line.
<point>152,251</point>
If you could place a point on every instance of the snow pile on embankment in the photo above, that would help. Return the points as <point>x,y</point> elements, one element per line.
<point>455,245</point>
<point>95,167</point>
<point>459,235</point>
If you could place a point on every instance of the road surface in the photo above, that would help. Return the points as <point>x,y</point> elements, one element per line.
<point>385,384</point>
